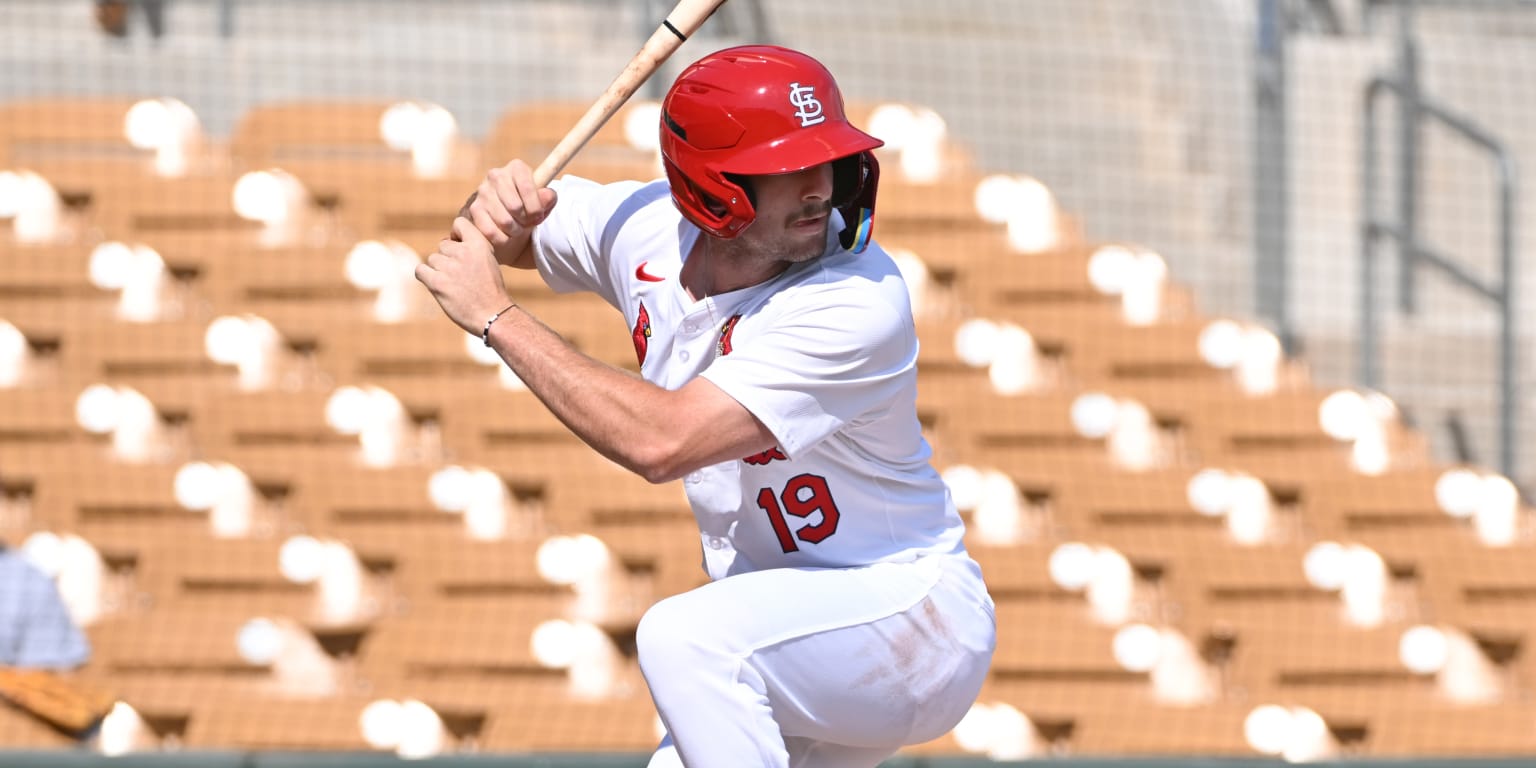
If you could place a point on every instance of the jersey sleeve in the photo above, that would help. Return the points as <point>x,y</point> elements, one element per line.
<point>841,356</point>
<point>570,246</point>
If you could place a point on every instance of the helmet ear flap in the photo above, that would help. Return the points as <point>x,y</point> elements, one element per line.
<point>847,179</point>
<point>716,205</point>
<point>858,210</point>
<point>747,188</point>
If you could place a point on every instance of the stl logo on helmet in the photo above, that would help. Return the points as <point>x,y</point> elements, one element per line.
<point>807,106</point>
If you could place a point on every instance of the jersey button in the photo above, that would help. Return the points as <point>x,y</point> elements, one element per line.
<point>715,542</point>
<point>693,478</point>
<point>683,355</point>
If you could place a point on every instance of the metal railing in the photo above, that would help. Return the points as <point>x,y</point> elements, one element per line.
<point>1416,108</point>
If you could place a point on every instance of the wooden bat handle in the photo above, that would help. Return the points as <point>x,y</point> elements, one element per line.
<point>686,17</point>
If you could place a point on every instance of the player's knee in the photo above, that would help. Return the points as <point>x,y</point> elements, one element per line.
<point>670,639</point>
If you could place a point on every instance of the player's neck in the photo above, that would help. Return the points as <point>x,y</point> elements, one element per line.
<point>715,267</point>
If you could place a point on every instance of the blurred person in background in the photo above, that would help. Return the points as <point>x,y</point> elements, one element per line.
<point>36,631</point>
<point>113,16</point>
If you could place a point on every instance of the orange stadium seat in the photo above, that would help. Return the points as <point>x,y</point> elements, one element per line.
<point>230,269</point>
<point>65,121</point>
<point>346,499</point>
<point>1481,589</point>
<point>395,206</point>
<point>625,723</point>
<point>439,644</point>
<point>268,724</point>
<point>1029,437</point>
<point>171,641</point>
<point>1162,730</point>
<point>1018,571</point>
<point>1122,507</point>
<point>70,140</point>
<point>1426,733</point>
<point>280,133</point>
<point>47,271</point>
<point>22,731</point>
<point>109,501</point>
<point>662,554</point>
<point>1055,703</point>
<point>39,432</point>
<point>125,352</point>
<point>270,433</point>
<point>1076,646</point>
<point>203,573</point>
<point>529,131</point>
<point>138,208</point>
<point>338,151</point>
<point>442,569</point>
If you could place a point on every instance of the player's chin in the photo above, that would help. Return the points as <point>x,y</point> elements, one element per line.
<point>804,253</point>
<point>807,244</point>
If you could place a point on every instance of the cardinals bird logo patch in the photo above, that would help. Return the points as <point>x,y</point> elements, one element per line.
<point>770,455</point>
<point>642,333</point>
<point>724,346</point>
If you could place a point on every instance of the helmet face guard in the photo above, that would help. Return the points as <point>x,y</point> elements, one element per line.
<point>757,110</point>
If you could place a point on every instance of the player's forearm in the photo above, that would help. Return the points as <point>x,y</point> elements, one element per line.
<point>620,415</point>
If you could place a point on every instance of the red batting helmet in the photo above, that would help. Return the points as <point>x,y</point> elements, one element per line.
<point>761,109</point>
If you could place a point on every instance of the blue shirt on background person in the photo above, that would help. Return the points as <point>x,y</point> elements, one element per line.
<point>36,630</point>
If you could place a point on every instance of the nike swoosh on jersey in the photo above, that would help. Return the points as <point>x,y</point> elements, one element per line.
<point>641,274</point>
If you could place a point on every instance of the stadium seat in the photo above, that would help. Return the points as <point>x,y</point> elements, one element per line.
<point>20,730</point>
<point>1018,572</point>
<point>1476,732</point>
<point>1054,703</point>
<point>979,421</point>
<point>230,270</point>
<point>271,433</point>
<point>662,554</point>
<point>40,430</point>
<point>70,139</point>
<point>170,641</point>
<point>529,131</point>
<point>443,568</point>
<point>124,352</point>
<point>200,573</point>
<point>57,271</point>
<point>1162,731</point>
<point>1076,647</point>
<point>276,133</point>
<point>1481,589</point>
<point>387,207</point>
<point>272,724</point>
<point>106,500</point>
<point>140,208</point>
<point>449,642</point>
<point>562,724</point>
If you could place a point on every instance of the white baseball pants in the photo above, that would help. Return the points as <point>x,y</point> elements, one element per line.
<point>816,668</point>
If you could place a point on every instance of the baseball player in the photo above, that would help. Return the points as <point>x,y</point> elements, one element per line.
<point>844,618</point>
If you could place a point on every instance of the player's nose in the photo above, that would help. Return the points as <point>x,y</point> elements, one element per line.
<point>816,183</point>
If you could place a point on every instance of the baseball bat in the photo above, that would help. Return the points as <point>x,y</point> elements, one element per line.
<point>685,19</point>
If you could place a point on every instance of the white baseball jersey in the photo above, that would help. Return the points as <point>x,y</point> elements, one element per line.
<point>824,355</point>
